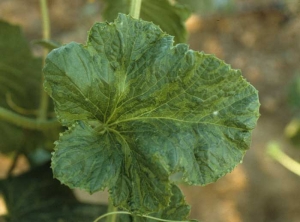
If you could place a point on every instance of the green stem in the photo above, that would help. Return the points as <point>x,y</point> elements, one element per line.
<point>135,8</point>
<point>46,21</point>
<point>109,214</point>
<point>17,108</point>
<point>111,208</point>
<point>149,217</point>
<point>44,100</point>
<point>14,163</point>
<point>25,122</point>
<point>275,152</point>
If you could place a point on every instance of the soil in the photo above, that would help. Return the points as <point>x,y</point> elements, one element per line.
<point>264,43</point>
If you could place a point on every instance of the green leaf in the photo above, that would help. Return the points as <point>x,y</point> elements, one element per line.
<point>170,17</point>
<point>177,210</point>
<point>36,196</point>
<point>140,110</point>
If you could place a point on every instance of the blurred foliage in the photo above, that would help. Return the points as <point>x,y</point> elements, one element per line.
<point>205,7</point>
<point>274,151</point>
<point>20,87</point>
<point>170,17</point>
<point>48,44</point>
<point>44,199</point>
<point>292,130</point>
<point>294,94</point>
<point>208,7</point>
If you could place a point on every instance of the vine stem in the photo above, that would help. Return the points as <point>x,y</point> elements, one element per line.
<point>14,163</point>
<point>111,208</point>
<point>25,122</point>
<point>275,152</point>
<point>135,8</point>
<point>44,100</point>
<point>146,216</point>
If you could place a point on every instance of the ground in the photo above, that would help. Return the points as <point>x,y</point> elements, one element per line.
<point>265,44</point>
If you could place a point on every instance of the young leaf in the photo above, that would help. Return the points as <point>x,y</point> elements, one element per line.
<point>170,17</point>
<point>140,109</point>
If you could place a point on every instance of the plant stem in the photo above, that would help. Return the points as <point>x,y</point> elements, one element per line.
<point>275,152</point>
<point>109,214</point>
<point>135,8</point>
<point>111,208</point>
<point>46,21</point>
<point>25,122</point>
<point>17,108</point>
<point>145,216</point>
<point>44,100</point>
<point>14,163</point>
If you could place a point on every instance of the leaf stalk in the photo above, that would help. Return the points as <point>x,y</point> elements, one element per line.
<point>275,152</point>
<point>25,122</point>
<point>146,216</point>
<point>135,8</point>
<point>111,208</point>
<point>44,100</point>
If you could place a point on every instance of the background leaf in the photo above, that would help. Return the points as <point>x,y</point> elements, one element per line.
<point>20,82</point>
<point>19,69</point>
<point>208,7</point>
<point>36,196</point>
<point>170,17</point>
<point>140,109</point>
<point>294,94</point>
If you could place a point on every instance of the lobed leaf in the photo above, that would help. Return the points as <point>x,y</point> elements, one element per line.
<point>139,110</point>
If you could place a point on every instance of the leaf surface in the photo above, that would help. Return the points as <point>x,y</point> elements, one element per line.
<point>140,110</point>
<point>177,210</point>
<point>170,17</point>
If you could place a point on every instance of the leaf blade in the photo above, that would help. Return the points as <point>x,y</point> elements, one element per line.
<point>167,110</point>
